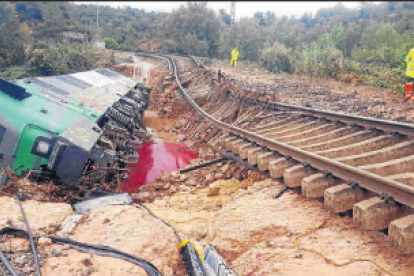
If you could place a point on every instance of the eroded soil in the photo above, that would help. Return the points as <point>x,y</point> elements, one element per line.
<point>325,94</point>
<point>225,204</point>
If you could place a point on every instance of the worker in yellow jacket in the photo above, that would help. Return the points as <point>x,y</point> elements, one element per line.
<point>234,55</point>
<point>409,73</point>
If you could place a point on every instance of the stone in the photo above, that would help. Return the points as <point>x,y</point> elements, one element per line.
<point>166,186</point>
<point>158,185</point>
<point>209,178</point>
<point>201,233</point>
<point>174,175</point>
<point>191,182</point>
<point>57,252</point>
<point>209,156</point>
<point>182,122</point>
<point>86,272</point>
<point>228,174</point>
<point>213,191</point>
<point>141,196</point>
<point>219,176</point>
<point>183,188</point>
<point>164,177</point>
<point>173,189</point>
<point>21,261</point>
<point>183,177</point>
<point>69,225</point>
<point>44,241</point>
<point>54,265</point>
<point>28,269</point>
<point>298,255</point>
<point>225,167</point>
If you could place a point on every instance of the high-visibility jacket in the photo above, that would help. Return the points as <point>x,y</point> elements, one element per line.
<point>410,64</point>
<point>234,54</point>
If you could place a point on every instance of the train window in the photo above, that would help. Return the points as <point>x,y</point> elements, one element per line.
<point>2,131</point>
<point>42,146</point>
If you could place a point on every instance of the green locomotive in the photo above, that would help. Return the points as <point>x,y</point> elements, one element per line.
<point>73,129</point>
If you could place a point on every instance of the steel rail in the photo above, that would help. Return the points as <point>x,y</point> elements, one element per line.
<point>400,192</point>
<point>387,125</point>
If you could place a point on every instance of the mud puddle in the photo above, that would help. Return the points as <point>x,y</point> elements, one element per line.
<point>155,158</point>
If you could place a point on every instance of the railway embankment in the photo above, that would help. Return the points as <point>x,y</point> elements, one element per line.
<point>225,204</point>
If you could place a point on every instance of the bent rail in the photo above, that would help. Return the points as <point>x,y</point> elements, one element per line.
<point>402,193</point>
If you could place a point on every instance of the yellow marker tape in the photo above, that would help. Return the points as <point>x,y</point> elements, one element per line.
<point>184,242</point>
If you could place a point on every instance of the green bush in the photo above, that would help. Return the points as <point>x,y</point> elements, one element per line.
<point>319,61</point>
<point>15,72</point>
<point>63,59</point>
<point>277,59</point>
<point>110,43</point>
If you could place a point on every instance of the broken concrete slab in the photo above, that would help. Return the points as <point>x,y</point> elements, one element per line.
<point>95,203</point>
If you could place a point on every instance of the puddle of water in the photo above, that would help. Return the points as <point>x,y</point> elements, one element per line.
<point>154,157</point>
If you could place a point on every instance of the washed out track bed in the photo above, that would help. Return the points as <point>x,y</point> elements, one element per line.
<point>356,165</point>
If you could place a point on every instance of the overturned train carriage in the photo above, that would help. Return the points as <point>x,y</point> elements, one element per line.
<point>75,129</point>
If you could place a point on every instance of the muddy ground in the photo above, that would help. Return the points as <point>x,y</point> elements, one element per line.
<point>325,94</point>
<point>225,205</point>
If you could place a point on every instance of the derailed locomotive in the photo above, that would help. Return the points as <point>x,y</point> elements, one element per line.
<point>75,129</point>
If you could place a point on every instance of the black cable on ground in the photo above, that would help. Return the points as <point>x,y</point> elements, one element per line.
<point>162,220</point>
<point>282,191</point>
<point>236,158</point>
<point>88,248</point>
<point>209,163</point>
<point>7,264</point>
<point>193,260</point>
<point>32,244</point>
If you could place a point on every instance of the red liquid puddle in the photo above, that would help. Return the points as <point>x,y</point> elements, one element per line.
<point>154,157</point>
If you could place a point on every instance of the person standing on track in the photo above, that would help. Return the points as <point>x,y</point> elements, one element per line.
<point>234,55</point>
<point>409,74</point>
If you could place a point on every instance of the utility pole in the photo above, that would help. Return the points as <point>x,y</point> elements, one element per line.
<point>232,14</point>
<point>97,20</point>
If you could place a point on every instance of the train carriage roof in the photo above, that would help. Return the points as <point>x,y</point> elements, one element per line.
<point>92,91</point>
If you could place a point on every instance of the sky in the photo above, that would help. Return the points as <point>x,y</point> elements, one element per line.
<point>243,8</point>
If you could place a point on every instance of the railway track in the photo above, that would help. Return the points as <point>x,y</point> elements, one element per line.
<point>353,163</point>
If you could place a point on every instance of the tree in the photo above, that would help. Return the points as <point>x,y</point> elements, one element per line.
<point>260,16</point>
<point>11,43</point>
<point>110,43</point>
<point>307,19</point>
<point>195,20</point>
<point>225,17</point>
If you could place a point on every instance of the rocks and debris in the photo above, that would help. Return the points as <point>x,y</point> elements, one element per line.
<point>226,205</point>
<point>69,225</point>
<point>322,94</point>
